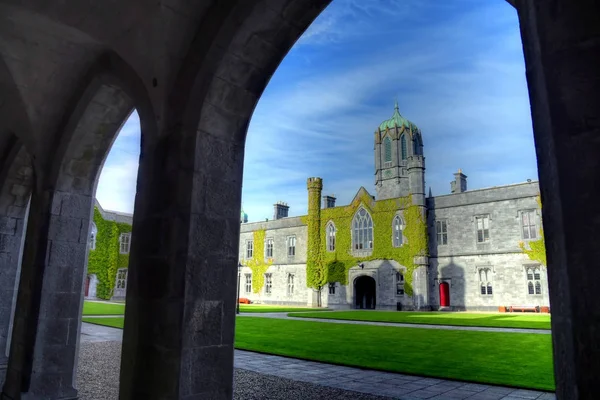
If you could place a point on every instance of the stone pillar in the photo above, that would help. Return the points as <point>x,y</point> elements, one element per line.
<point>421,284</point>
<point>560,42</point>
<point>43,350</point>
<point>181,288</point>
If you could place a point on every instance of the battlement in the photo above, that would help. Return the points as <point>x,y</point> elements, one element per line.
<point>314,183</point>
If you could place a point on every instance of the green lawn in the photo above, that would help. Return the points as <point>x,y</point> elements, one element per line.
<point>259,308</point>
<point>95,308</point>
<point>499,320</point>
<point>510,359</point>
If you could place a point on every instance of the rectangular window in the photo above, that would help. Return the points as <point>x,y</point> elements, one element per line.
<point>528,225</point>
<point>268,283</point>
<point>248,285</point>
<point>534,282</point>
<point>399,284</point>
<point>290,284</point>
<point>124,240</point>
<point>485,281</point>
<point>483,228</point>
<point>249,249</point>
<point>441,229</point>
<point>269,248</point>
<point>291,246</point>
<point>332,288</point>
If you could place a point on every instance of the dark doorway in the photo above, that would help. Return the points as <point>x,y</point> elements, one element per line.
<point>444,294</point>
<point>364,288</point>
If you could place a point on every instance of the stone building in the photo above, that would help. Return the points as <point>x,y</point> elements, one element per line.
<point>401,249</point>
<point>108,257</point>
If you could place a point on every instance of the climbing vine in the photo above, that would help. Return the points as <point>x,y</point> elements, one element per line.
<point>257,263</point>
<point>105,260</point>
<point>334,265</point>
<point>537,248</point>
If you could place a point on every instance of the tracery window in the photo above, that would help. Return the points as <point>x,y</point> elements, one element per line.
<point>534,285</point>
<point>330,237</point>
<point>362,237</point>
<point>485,281</point>
<point>397,231</point>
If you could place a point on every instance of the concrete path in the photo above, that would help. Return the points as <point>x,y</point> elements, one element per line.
<point>399,325</point>
<point>398,386</point>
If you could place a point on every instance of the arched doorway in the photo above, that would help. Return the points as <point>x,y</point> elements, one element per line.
<point>444,294</point>
<point>365,292</point>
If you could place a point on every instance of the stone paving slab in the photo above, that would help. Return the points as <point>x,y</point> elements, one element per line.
<point>378,383</point>
<point>398,324</point>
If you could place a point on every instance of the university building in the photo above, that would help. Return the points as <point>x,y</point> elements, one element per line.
<point>400,248</point>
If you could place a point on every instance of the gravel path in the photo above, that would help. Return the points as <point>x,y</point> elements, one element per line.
<point>98,377</point>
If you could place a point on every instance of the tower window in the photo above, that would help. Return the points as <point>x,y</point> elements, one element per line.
<point>387,148</point>
<point>397,230</point>
<point>403,146</point>
<point>362,238</point>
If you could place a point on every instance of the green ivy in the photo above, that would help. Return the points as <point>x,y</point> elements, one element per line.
<point>336,264</point>
<point>105,260</point>
<point>257,263</point>
<point>537,248</point>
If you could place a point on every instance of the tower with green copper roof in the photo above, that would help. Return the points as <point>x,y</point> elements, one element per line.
<point>399,161</point>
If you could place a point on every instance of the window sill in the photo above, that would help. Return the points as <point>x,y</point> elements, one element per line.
<point>362,253</point>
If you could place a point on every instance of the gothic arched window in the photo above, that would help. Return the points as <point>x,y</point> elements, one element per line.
<point>403,146</point>
<point>534,285</point>
<point>330,237</point>
<point>362,238</point>
<point>397,231</point>
<point>387,147</point>
<point>417,144</point>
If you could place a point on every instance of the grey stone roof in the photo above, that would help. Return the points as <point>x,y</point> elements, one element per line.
<point>116,216</point>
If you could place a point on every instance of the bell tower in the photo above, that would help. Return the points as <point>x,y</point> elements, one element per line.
<point>399,161</point>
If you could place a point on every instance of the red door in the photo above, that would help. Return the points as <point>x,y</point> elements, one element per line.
<point>444,294</point>
<point>87,286</point>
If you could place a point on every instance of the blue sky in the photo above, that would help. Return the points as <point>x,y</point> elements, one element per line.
<point>456,68</point>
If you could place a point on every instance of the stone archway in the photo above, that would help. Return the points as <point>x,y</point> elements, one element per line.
<point>365,292</point>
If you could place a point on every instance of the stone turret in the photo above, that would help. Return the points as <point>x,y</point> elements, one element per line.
<point>399,161</point>
<point>313,253</point>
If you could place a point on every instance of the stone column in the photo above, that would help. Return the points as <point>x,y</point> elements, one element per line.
<point>561,46</point>
<point>43,349</point>
<point>181,288</point>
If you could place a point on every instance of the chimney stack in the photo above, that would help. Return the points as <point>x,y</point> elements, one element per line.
<point>280,210</point>
<point>329,201</point>
<point>459,184</point>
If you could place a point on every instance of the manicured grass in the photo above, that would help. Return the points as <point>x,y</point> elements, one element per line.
<point>116,322</point>
<point>499,320</point>
<point>259,308</point>
<point>510,359</point>
<point>96,308</point>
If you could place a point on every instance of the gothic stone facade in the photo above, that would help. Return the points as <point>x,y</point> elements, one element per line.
<point>473,260</point>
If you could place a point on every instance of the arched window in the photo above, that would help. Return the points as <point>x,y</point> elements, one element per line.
<point>417,143</point>
<point>403,146</point>
<point>397,226</point>
<point>534,284</point>
<point>362,238</point>
<point>93,236</point>
<point>387,149</point>
<point>330,237</point>
<point>485,281</point>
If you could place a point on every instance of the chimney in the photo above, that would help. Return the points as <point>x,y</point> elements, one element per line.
<point>329,201</point>
<point>459,184</point>
<point>280,210</point>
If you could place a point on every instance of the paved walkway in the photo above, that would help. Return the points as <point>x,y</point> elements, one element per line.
<point>399,325</point>
<point>399,386</point>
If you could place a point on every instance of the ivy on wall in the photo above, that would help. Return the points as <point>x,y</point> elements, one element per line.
<point>257,263</point>
<point>537,248</point>
<point>106,259</point>
<point>334,265</point>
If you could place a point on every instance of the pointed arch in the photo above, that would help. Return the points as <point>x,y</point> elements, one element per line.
<point>387,150</point>
<point>397,230</point>
<point>362,230</point>
<point>330,231</point>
